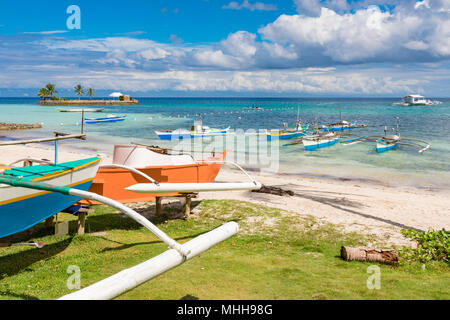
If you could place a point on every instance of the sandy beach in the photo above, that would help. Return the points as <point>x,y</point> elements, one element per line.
<point>376,209</point>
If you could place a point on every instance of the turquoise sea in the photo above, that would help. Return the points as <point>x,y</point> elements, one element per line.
<point>400,167</point>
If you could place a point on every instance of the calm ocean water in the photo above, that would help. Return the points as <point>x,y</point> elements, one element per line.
<point>400,167</point>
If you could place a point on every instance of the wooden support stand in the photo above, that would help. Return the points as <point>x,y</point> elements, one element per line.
<point>82,219</point>
<point>187,205</point>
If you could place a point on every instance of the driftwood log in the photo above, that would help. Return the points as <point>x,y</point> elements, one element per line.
<point>387,256</point>
<point>274,190</point>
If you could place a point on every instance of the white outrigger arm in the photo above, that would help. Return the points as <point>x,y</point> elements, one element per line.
<point>130,278</point>
<point>155,187</point>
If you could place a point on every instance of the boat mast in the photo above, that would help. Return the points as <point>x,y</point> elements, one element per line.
<point>298,116</point>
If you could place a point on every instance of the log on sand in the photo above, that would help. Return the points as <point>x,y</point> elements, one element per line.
<point>274,190</point>
<point>387,256</point>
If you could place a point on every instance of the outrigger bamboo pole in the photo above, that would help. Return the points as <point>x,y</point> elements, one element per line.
<point>130,278</point>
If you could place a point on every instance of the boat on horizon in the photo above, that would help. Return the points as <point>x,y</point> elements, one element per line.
<point>416,100</point>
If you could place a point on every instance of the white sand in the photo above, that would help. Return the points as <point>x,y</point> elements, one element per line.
<point>374,209</point>
<point>380,210</point>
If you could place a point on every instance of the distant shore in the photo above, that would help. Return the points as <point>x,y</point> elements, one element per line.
<point>85,102</point>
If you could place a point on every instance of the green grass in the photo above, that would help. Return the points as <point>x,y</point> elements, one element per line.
<point>276,255</point>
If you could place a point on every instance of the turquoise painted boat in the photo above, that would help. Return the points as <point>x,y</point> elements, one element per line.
<point>22,208</point>
<point>286,134</point>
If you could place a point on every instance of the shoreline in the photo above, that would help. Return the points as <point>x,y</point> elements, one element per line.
<point>379,210</point>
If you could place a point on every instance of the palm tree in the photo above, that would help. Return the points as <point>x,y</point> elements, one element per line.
<point>51,89</point>
<point>43,93</point>
<point>90,93</point>
<point>79,90</point>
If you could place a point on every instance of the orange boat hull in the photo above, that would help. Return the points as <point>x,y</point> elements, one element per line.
<point>111,182</point>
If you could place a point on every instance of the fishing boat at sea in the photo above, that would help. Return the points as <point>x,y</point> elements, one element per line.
<point>341,126</point>
<point>22,207</point>
<point>196,131</point>
<point>319,140</point>
<point>150,163</point>
<point>81,110</point>
<point>288,133</point>
<point>108,119</point>
<point>416,100</point>
<point>390,141</point>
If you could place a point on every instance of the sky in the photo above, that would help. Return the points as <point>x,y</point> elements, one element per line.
<point>223,48</point>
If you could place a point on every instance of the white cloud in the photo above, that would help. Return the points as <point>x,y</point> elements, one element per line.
<point>366,35</point>
<point>250,6</point>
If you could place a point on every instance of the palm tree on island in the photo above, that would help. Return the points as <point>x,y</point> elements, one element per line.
<point>90,93</point>
<point>51,89</point>
<point>48,91</point>
<point>43,93</point>
<point>79,90</point>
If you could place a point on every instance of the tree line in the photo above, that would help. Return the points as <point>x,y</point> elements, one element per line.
<point>50,90</point>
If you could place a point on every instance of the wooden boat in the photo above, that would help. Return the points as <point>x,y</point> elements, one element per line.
<point>111,180</point>
<point>81,110</point>
<point>127,279</point>
<point>21,208</point>
<point>341,126</point>
<point>109,118</point>
<point>390,141</point>
<point>286,134</point>
<point>320,140</point>
<point>195,131</point>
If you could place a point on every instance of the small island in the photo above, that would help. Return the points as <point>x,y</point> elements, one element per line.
<point>49,98</point>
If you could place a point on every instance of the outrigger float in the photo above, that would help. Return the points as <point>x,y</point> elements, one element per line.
<point>390,141</point>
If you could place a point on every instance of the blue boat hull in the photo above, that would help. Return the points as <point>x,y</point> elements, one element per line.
<point>284,137</point>
<point>22,215</point>
<point>170,136</point>
<point>321,145</point>
<point>337,129</point>
<point>386,148</point>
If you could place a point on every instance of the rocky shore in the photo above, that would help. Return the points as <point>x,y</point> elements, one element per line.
<point>18,126</point>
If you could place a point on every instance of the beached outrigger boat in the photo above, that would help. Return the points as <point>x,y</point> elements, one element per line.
<point>21,207</point>
<point>130,278</point>
<point>109,118</point>
<point>195,131</point>
<point>157,163</point>
<point>390,141</point>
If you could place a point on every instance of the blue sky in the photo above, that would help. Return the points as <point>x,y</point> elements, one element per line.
<point>289,48</point>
